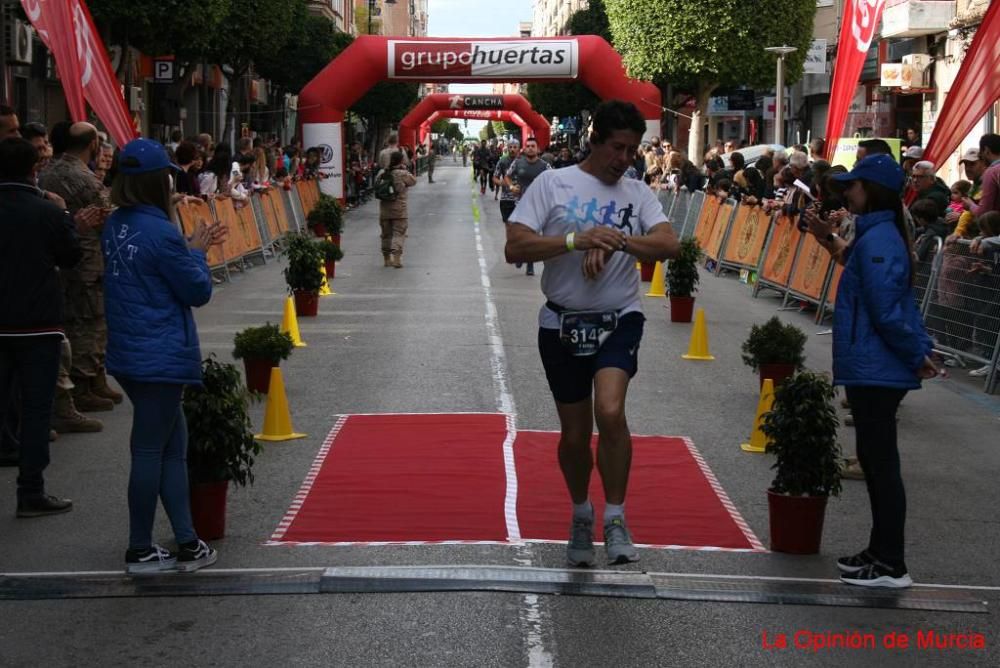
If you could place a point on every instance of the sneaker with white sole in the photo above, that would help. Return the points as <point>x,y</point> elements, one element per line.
<point>580,549</point>
<point>980,372</point>
<point>618,542</point>
<point>878,574</point>
<point>153,559</point>
<point>854,563</point>
<point>194,555</point>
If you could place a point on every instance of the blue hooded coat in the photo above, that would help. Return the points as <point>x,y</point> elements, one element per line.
<point>878,333</point>
<point>151,281</point>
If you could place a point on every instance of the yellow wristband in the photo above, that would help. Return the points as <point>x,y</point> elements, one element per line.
<point>569,241</point>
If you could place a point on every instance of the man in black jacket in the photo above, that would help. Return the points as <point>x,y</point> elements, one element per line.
<point>37,235</point>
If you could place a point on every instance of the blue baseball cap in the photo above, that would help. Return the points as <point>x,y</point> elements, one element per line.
<point>881,169</point>
<point>144,155</point>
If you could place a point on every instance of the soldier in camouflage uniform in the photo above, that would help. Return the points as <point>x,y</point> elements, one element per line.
<point>70,177</point>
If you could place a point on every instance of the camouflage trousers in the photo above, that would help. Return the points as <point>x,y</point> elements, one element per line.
<point>393,235</point>
<point>86,329</point>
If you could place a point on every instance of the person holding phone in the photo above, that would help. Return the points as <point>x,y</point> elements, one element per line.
<point>881,351</point>
<point>153,276</point>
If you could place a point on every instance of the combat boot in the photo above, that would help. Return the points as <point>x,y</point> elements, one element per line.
<point>85,400</point>
<point>397,261</point>
<point>100,388</point>
<point>387,258</point>
<point>66,419</point>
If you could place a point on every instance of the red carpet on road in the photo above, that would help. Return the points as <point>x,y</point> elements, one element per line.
<point>432,478</point>
<point>408,478</point>
<point>670,501</point>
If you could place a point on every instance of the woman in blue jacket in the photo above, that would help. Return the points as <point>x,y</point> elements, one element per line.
<point>153,276</point>
<point>880,352</point>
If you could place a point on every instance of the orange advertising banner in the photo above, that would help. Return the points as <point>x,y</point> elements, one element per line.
<point>308,194</point>
<point>719,229</point>
<point>706,220</point>
<point>193,213</point>
<point>247,229</point>
<point>746,241</point>
<point>831,295</point>
<point>811,268</point>
<point>781,251</point>
<point>271,214</point>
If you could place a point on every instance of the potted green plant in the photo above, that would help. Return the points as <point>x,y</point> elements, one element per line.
<point>801,428</point>
<point>682,280</point>
<point>221,446</point>
<point>261,348</point>
<point>326,218</point>
<point>302,273</point>
<point>331,256</point>
<point>774,350</point>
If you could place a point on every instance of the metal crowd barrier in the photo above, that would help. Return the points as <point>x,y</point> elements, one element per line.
<point>962,307</point>
<point>254,228</point>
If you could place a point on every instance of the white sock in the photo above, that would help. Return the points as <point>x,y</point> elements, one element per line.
<point>611,511</point>
<point>583,510</point>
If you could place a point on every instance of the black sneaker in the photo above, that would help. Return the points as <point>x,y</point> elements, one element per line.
<point>878,574</point>
<point>194,555</point>
<point>854,563</point>
<point>149,560</point>
<point>39,506</point>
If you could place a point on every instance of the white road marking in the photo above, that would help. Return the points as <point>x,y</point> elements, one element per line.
<point>533,619</point>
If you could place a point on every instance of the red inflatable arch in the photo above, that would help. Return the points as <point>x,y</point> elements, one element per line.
<point>371,59</point>
<point>526,129</point>
<point>439,102</point>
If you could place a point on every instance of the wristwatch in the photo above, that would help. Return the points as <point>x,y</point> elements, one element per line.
<point>832,236</point>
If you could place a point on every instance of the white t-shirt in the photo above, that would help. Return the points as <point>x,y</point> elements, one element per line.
<point>567,200</point>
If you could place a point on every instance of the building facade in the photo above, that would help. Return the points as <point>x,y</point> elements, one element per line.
<point>550,16</point>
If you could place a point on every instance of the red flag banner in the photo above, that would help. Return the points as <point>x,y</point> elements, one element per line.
<point>84,68</point>
<point>51,18</point>
<point>859,25</point>
<point>974,91</point>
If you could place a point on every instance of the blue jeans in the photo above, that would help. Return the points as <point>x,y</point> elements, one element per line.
<point>32,363</point>
<point>159,461</point>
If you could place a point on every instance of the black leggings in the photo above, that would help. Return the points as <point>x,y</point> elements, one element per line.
<point>874,411</point>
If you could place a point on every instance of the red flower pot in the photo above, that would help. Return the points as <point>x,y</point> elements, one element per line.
<point>796,522</point>
<point>779,373</point>
<point>681,309</point>
<point>319,229</point>
<point>331,270</point>
<point>646,271</point>
<point>208,509</point>
<point>306,303</point>
<point>258,373</point>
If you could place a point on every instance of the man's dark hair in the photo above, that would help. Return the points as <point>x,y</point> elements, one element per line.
<point>818,145</point>
<point>395,159</point>
<point>59,136</point>
<point>875,147</point>
<point>186,153</point>
<point>33,131</point>
<point>764,164</point>
<point>176,136</point>
<point>80,140</point>
<point>531,139</point>
<point>17,158</point>
<point>991,142</point>
<point>612,115</point>
<point>926,210</point>
<point>737,160</point>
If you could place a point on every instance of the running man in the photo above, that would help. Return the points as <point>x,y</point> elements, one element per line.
<point>591,325</point>
<point>519,176</point>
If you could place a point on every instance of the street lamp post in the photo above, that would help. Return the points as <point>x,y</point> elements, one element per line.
<point>779,93</point>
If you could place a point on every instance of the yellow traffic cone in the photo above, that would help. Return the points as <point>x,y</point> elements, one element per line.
<point>277,420</point>
<point>758,441</point>
<point>290,323</point>
<point>698,347</point>
<point>324,289</point>
<point>658,284</point>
